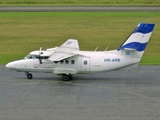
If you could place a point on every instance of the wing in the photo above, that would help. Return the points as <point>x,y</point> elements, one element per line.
<point>68,49</point>
<point>60,56</point>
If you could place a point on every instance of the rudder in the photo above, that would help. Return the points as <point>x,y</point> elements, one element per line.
<point>139,38</point>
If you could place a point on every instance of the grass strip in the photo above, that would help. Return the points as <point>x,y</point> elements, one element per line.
<point>81,2</point>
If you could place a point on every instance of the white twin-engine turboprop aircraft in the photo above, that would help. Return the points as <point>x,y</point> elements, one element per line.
<point>68,60</point>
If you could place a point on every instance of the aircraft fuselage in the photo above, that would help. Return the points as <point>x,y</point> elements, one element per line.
<point>86,62</point>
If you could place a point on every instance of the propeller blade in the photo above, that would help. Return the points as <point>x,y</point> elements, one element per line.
<point>40,61</point>
<point>40,51</point>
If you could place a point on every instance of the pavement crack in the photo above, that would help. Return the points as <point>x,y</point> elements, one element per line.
<point>22,93</point>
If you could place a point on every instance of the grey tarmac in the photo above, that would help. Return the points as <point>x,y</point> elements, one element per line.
<point>116,95</point>
<point>78,9</point>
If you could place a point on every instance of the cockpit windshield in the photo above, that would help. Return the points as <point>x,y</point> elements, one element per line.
<point>29,56</point>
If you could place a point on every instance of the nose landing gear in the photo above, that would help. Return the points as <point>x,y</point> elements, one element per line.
<point>29,75</point>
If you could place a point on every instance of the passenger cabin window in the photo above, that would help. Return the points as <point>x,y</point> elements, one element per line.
<point>55,62</point>
<point>61,61</point>
<point>67,62</point>
<point>85,62</point>
<point>72,61</point>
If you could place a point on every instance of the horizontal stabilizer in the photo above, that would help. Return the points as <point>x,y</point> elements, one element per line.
<point>130,49</point>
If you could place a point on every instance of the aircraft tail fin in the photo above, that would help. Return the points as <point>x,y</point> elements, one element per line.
<point>138,39</point>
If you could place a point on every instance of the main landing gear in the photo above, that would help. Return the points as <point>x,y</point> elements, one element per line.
<point>29,75</point>
<point>66,77</point>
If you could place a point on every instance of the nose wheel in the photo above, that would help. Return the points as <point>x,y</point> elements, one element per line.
<point>29,75</point>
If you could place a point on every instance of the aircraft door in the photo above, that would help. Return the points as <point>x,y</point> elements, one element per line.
<point>85,64</point>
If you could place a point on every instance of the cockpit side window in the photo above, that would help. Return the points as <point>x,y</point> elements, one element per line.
<point>35,57</point>
<point>44,57</point>
<point>29,56</point>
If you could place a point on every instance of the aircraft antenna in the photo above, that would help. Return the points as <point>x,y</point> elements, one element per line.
<point>96,48</point>
<point>40,61</point>
<point>106,48</point>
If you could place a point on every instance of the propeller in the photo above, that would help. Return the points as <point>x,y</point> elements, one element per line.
<point>40,61</point>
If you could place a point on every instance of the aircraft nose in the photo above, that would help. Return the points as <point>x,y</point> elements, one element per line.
<point>10,65</point>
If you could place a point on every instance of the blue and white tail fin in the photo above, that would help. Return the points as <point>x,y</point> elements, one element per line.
<point>138,39</point>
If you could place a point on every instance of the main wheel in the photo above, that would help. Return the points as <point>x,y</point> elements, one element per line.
<point>70,77</point>
<point>66,77</point>
<point>29,76</point>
